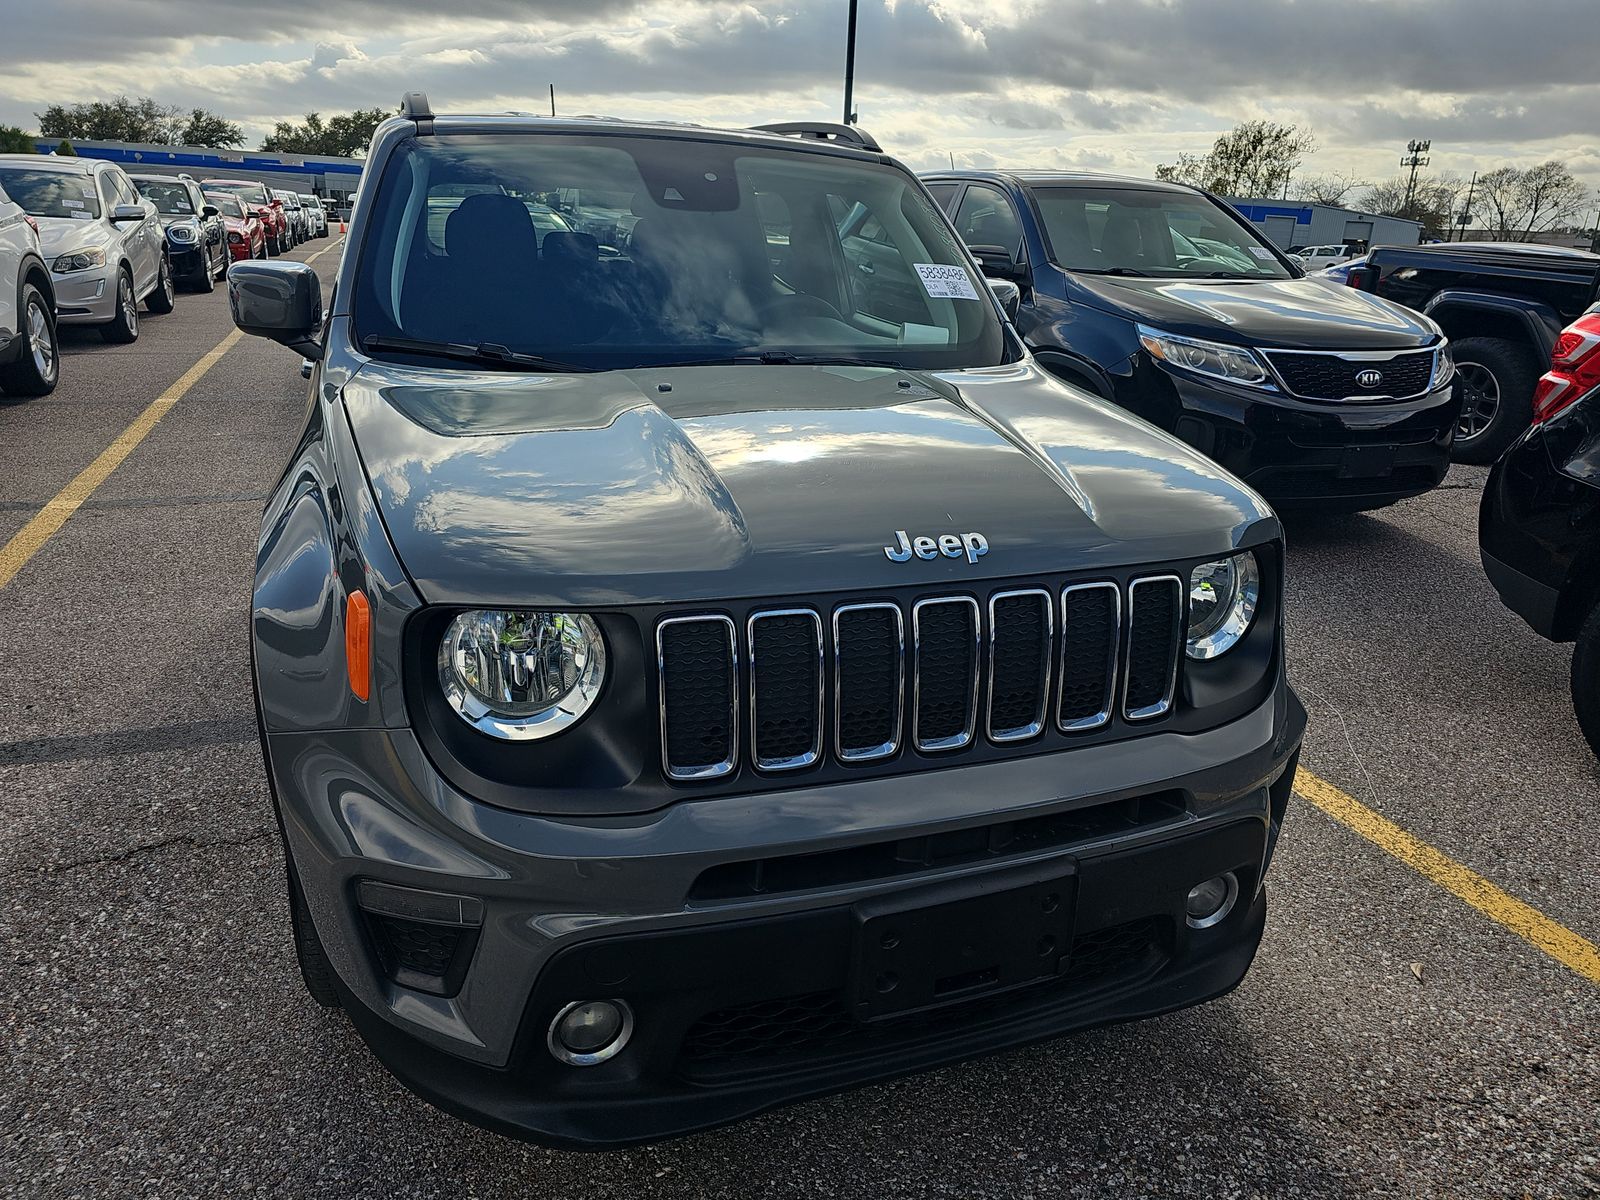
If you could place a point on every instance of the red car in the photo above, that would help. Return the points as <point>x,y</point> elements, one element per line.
<point>254,196</point>
<point>247,237</point>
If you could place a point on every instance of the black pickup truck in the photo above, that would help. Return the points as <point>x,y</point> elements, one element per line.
<point>1502,304</point>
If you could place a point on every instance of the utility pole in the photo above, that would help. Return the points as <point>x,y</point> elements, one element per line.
<point>552,99</point>
<point>1417,157</point>
<point>1466,209</point>
<point>850,69</point>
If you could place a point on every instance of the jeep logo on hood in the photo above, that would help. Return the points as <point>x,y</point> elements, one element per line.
<point>951,545</point>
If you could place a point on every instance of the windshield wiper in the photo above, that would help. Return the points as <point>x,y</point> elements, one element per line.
<point>483,352</point>
<point>1113,271</point>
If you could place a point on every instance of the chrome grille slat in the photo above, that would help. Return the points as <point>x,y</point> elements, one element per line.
<point>1040,670</point>
<point>851,711</point>
<point>1088,655</point>
<point>809,708</point>
<point>678,668</point>
<point>935,681</point>
<point>1155,633</point>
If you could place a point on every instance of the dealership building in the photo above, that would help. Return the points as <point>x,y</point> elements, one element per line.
<point>331,178</point>
<point>1287,223</point>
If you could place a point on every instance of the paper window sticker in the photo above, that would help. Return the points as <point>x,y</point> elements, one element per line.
<point>945,282</point>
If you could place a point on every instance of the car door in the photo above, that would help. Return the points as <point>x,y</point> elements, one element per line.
<point>882,286</point>
<point>211,228</point>
<point>15,238</point>
<point>142,240</point>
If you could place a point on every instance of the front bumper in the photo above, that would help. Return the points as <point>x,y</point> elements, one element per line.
<point>1296,451</point>
<point>189,261</point>
<point>86,297</point>
<point>741,995</point>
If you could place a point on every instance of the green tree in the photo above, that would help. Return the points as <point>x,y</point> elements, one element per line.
<point>1253,159</point>
<point>345,135</point>
<point>65,150</point>
<point>16,141</point>
<point>208,129</point>
<point>123,119</point>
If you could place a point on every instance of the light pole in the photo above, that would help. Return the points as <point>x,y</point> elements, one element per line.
<point>1466,209</point>
<point>1417,157</point>
<point>850,69</point>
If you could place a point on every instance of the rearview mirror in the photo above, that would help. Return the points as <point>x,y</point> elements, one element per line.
<point>278,300</point>
<point>1009,295</point>
<point>209,210</point>
<point>996,262</point>
<point>127,212</point>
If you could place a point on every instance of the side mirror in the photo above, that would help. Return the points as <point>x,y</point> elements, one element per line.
<point>209,210</point>
<point>1009,295</point>
<point>1362,278</point>
<point>127,212</point>
<point>996,262</point>
<point>278,300</point>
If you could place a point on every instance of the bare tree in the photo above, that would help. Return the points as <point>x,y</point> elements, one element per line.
<point>1497,200</point>
<point>1333,188</point>
<point>1521,203</point>
<point>1432,199</point>
<point>1253,159</point>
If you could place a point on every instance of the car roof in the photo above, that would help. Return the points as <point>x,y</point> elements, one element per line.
<point>527,122</point>
<point>53,162</point>
<point>1040,178</point>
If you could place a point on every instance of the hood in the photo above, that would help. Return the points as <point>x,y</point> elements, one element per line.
<point>749,481</point>
<point>61,235</point>
<point>1298,314</point>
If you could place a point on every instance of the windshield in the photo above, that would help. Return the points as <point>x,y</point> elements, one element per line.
<point>228,206</point>
<point>250,193</point>
<point>1141,231</point>
<point>51,193</point>
<point>170,199</point>
<point>729,252</point>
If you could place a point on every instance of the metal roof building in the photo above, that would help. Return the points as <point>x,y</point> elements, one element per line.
<point>322,175</point>
<point>1287,223</point>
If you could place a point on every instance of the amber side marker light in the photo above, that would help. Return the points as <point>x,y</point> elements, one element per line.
<point>358,644</point>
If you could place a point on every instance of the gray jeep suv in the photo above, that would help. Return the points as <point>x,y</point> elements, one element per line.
<point>694,676</point>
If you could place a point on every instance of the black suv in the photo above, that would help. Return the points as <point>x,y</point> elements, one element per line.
<point>690,682</point>
<point>1164,300</point>
<point>1502,305</point>
<point>1539,524</point>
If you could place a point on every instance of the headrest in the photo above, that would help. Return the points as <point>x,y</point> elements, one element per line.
<point>487,227</point>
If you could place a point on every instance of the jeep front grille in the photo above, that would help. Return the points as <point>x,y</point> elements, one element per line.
<point>864,682</point>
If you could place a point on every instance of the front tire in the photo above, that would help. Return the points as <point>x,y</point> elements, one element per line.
<point>315,969</point>
<point>165,298</point>
<point>39,369</point>
<point>124,326</point>
<point>208,278</point>
<point>1497,382</point>
<point>1586,679</point>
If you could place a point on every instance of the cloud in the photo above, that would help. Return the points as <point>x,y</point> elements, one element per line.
<point>1119,84</point>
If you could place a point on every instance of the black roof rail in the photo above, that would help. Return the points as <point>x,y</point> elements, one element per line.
<point>825,131</point>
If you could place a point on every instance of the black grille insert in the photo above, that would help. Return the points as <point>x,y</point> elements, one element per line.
<point>1332,377</point>
<point>699,711</point>
<point>1020,642</point>
<point>946,634</point>
<point>1155,615</point>
<point>1091,616</point>
<point>869,680</point>
<point>785,689</point>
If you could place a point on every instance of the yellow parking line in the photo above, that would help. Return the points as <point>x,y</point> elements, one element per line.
<point>324,250</point>
<point>14,555</point>
<point>1560,943</point>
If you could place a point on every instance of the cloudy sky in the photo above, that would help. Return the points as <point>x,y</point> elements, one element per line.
<point>1101,84</point>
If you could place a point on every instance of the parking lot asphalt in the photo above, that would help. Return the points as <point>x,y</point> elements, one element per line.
<point>1389,1041</point>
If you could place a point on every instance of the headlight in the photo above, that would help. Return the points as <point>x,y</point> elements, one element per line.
<point>521,676</point>
<point>1222,603</point>
<point>181,233</point>
<point>1233,363</point>
<point>82,260</point>
<point>1444,367</point>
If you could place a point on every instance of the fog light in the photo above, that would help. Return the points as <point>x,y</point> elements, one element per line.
<point>1211,901</point>
<point>587,1032</point>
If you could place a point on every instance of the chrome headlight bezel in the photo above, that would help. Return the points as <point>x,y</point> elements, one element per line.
<point>187,234</point>
<point>1225,627</point>
<point>1444,365</point>
<point>476,682</point>
<point>86,259</point>
<point>1239,365</point>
